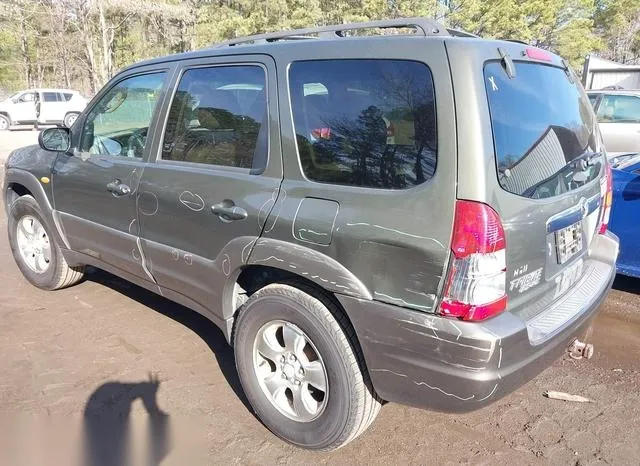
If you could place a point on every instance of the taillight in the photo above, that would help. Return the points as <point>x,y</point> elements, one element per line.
<point>475,287</point>
<point>607,200</point>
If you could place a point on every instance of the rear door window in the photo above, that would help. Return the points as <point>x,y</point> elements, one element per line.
<point>218,117</point>
<point>543,123</point>
<point>50,96</point>
<point>619,109</point>
<point>369,123</point>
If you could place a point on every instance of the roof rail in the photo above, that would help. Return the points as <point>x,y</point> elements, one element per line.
<point>424,26</point>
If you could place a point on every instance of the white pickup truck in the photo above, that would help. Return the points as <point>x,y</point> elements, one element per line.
<point>42,106</point>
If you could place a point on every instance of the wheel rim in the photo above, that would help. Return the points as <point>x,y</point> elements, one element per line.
<point>4,123</point>
<point>290,371</point>
<point>33,244</point>
<point>71,119</point>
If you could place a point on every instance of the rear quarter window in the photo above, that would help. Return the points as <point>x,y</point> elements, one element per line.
<point>369,123</point>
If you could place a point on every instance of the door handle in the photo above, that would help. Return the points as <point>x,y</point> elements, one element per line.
<point>227,211</point>
<point>117,188</point>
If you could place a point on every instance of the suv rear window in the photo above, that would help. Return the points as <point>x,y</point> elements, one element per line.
<point>541,122</point>
<point>369,123</point>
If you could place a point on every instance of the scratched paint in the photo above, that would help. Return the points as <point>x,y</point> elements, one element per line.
<point>396,231</point>
<point>147,203</point>
<point>226,265</point>
<point>425,384</point>
<point>192,201</point>
<point>314,221</point>
<point>270,221</point>
<point>265,209</point>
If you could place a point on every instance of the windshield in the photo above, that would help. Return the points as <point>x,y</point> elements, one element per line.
<point>541,122</point>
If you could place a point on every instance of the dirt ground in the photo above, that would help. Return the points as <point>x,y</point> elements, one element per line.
<point>92,348</point>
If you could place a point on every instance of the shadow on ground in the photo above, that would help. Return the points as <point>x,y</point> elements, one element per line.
<point>197,323</point>
<point>107,433</point>
<point>627,284</point>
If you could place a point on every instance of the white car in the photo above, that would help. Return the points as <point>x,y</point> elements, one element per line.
<point>55,106</point>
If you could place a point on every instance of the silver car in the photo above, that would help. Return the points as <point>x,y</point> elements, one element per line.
<point>618,113</point>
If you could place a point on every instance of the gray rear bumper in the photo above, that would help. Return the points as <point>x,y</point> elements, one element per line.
<point>449,365</point>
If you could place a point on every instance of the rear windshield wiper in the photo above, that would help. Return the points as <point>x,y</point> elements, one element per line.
<point>584,160</point>
<point>622,160</point>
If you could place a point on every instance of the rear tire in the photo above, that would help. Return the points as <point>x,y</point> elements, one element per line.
<point>70,119</point>
<point>5,123</point>
<point>348,404</point>
<point>51,272</point>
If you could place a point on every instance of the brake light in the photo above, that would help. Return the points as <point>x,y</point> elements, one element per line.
<point>607,200</point>
<point>476,283</point>
<point>538,54</point>
<point>321,133</point>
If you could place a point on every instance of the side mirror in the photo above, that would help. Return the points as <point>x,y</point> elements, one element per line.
<point>55,139</point>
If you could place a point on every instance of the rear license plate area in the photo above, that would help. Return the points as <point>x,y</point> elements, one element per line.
<point>568,242</point>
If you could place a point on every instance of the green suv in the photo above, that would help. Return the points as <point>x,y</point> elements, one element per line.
<point>418,217</point>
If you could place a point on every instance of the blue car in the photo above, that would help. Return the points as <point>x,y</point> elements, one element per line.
<point>625,212</point>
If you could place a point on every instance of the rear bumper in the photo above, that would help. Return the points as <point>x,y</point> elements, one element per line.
<point>449,365</point>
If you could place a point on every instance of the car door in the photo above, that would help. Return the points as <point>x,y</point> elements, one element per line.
<point>216,177</point>
<point>52,107</point>
<point>23,108</point>
<point>95,183</point>
<point>619,121</point>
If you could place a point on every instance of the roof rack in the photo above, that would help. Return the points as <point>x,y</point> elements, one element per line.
<point>423,26</point>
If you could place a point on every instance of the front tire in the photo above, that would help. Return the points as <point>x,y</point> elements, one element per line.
<point>301,367</point>
<point>35,250</point>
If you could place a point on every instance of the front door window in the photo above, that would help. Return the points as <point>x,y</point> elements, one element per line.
<point>118,124</point>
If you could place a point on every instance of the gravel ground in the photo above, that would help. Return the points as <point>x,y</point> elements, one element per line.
<point>94,348</point>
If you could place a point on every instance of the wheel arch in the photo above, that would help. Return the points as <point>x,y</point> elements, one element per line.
<point>252,257</point>
<point>274,261</point>
<point>309,264</point>
<point>20,183</point>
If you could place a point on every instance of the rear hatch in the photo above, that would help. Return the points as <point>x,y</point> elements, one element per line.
<point>551,171</point>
